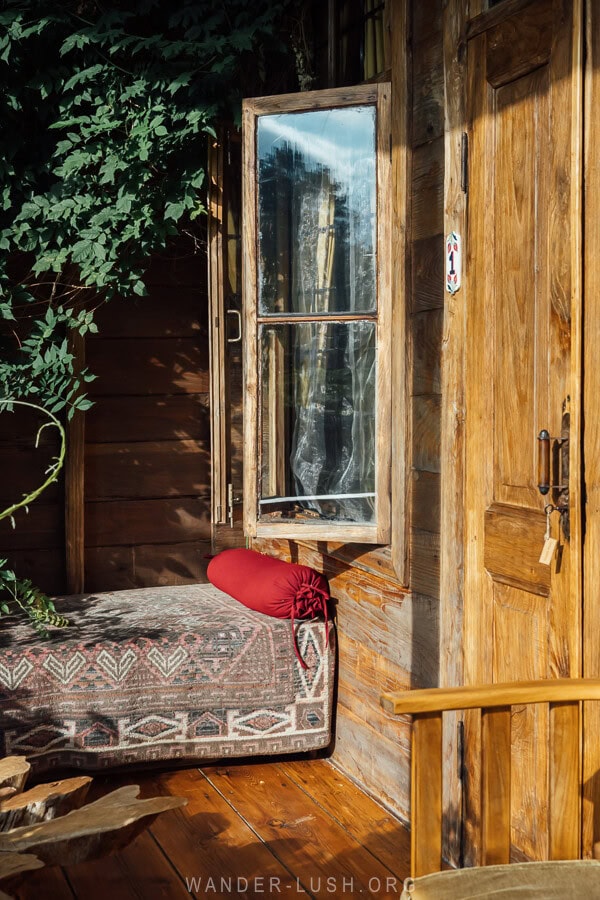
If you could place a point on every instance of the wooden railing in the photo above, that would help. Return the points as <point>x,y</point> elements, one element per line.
<point>564,696</point>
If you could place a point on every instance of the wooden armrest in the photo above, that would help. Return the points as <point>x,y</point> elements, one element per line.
<point>431,700</point>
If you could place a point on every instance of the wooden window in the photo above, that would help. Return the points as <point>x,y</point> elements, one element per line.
<point>317,414</point>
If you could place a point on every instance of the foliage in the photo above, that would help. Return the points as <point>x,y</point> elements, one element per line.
<point>24,597</point>
<point>106,113</point>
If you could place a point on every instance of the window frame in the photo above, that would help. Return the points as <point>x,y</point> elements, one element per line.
<point>378,95</point>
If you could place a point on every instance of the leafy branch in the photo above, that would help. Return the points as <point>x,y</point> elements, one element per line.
<point>107,113</point>
<point>24,597</point>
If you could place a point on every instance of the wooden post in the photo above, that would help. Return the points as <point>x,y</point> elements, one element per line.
<point>564,839</point>
<point>217,331</point>
<point>591,431</point>
<point>74,484</point>
<point>452,416</point>
<point>426,795</point>
<point>495,786</point>
<point>400,275</point>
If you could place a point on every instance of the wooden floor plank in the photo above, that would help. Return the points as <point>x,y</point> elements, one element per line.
<point>327,860</point>
<point>139,871</point>
<point>250,830</point>
<point>207,839</point>
<point>47,883</point>
<point>377,830</point>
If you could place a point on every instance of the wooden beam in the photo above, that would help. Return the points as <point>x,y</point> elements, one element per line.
<point>551,690</point>
<point>591,431</point>
<point>452,410</point>
<point>75,484</point>
<point>218,388</point>
<point>400,285</point>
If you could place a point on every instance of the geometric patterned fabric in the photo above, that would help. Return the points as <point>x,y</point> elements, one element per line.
<point>162,673</point>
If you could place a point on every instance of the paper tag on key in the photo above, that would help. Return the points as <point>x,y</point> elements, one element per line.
<point>549,542</point>
<point>548,551</point>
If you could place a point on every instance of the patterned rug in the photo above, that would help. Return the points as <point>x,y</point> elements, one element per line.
<point>162,673</point>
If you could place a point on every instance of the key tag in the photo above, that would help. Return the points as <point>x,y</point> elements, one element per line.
<point>549,542</point>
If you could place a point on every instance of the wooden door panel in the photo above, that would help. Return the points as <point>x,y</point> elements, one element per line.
<point>511,557</point>
<point>518,306</point>
<point>520,44</point>
<point>522,618</point>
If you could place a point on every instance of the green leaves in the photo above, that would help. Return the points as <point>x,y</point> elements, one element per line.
<point>19,596</point>
<point>106,113</point>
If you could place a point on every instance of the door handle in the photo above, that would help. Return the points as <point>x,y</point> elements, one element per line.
<point>544,461</point>
<point>553,469</point>
<point>237,313</point>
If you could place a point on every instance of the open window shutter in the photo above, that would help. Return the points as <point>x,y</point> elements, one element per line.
<point>224,230</point>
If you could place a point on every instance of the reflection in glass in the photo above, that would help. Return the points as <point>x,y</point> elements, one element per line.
<point>318,412</point>
<point>316,211</point>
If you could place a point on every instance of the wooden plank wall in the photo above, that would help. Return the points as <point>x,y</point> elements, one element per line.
<point>147,449</point>
<point>36,546</point>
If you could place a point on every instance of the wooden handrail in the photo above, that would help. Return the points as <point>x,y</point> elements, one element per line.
<point>431,700</point>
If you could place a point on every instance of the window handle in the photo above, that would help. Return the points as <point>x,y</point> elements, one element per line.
<point>237,313</point>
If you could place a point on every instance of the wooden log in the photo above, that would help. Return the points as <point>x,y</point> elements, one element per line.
<point>13,772</point>
<point>44,802</point>
<point>93,831</point>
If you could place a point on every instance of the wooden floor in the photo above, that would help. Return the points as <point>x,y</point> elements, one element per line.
<point>274,829</point>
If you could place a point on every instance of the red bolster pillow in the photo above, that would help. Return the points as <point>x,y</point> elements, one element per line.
<point>268,585</point>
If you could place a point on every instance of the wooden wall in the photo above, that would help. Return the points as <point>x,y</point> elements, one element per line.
<point>147,438</point>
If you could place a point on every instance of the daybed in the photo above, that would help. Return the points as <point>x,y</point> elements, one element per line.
<point>163,673</point>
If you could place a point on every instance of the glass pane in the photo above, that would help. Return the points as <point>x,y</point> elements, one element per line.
<point>317,423</point>
<point>316,211</point>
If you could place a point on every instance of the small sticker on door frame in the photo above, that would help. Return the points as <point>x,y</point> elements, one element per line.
<point>453,262</point>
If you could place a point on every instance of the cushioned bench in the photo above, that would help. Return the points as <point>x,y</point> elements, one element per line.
<point>159,674</point>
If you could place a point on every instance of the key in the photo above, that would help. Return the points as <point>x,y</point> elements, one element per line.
<point>549,542</point>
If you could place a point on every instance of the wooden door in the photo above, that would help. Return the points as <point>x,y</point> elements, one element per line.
<point>225,170</point>
<point>522,618</point>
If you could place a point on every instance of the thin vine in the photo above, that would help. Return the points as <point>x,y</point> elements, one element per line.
<point>23,596</point>
<point>55,466</point>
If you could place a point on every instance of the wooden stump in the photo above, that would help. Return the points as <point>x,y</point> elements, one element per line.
<point>50,825</point>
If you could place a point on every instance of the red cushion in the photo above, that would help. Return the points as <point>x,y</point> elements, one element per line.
<point>269,585</point>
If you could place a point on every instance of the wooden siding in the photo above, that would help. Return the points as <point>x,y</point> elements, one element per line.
<point>147,446</point>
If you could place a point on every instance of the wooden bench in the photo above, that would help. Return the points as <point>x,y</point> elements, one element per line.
<point>427,707</point>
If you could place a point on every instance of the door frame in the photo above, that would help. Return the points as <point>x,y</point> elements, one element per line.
<point>591,426</point>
